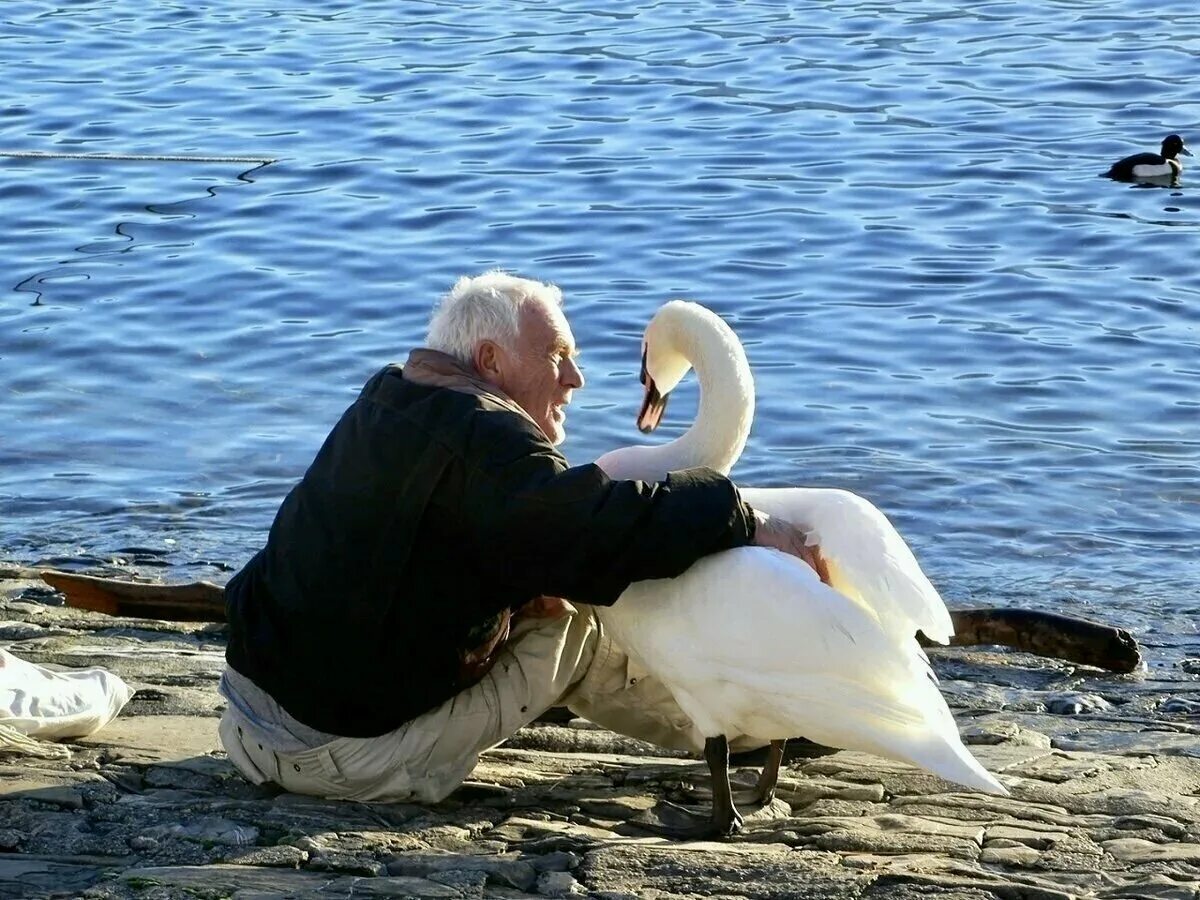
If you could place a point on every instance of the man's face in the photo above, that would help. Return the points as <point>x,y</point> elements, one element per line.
<point>540,371</point>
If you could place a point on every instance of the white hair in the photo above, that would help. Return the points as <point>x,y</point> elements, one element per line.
<point>483,308</point>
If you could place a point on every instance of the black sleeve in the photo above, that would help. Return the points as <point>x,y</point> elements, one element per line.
<point>544,528</point>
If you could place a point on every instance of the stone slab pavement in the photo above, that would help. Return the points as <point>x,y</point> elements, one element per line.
<point>1104,772</point>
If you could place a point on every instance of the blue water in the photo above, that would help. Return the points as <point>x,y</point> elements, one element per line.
<point>895,204</point>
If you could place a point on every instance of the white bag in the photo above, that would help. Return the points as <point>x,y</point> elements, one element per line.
<point>41,703</point>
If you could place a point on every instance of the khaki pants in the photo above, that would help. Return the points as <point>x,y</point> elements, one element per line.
<point>547,662</point>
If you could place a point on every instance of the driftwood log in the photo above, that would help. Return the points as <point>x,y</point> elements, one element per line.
<point>199,601</point>
<point>1044,634</point>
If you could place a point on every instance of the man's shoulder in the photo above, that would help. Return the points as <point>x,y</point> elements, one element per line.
<point>389,390</point>
<point>473,419</point>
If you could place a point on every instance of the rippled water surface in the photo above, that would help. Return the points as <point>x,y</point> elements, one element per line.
<point>895,204</point>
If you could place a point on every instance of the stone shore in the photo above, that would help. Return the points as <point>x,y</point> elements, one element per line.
<point>1104,772</point>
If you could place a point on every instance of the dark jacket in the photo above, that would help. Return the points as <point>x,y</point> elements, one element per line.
<point>428,513</point>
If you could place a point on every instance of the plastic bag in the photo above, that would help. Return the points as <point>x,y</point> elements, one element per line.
<point>42,703</point>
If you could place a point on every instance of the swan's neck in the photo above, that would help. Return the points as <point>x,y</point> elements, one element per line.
<point>722,425</point>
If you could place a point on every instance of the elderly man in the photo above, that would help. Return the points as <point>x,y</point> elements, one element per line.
<point>399,620</point>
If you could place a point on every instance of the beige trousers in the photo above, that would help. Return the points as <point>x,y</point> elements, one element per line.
<point>547,662</point>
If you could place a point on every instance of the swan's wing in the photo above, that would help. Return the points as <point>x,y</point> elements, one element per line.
<point>869,560</point>
<point>754,619</point>
<point>750,641</point>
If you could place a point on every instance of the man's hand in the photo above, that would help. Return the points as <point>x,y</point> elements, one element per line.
<point>780,534</point>
<point>543,608</point>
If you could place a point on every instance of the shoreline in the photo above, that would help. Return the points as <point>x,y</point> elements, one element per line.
<point>1104,772</point>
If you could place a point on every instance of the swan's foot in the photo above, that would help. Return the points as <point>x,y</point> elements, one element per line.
<point>682,824</point>
<point>742,797</point>
<point>679,822</point>
<point>763,791</point>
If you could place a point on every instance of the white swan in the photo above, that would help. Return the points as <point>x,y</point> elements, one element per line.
<point>750,641</point>
<point>868,560</point>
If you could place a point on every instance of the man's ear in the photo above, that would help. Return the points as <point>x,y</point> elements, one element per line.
<point>489,362</point>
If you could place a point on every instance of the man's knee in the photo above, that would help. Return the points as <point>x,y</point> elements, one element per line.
<point>239,751</point>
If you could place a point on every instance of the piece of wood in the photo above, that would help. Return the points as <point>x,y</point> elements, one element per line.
<point>1046,634</point>
<point>199,601</point>
<point>1041,633</point>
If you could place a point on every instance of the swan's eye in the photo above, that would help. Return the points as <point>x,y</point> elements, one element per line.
<point>643,376</point>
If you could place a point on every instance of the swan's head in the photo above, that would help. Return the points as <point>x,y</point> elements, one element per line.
<point>665,356</point>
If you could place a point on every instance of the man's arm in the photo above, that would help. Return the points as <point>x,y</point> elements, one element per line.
<point>543,528</point>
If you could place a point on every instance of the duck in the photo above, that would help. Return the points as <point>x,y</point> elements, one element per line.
<point>755,643</point>
<point>1151,165</point>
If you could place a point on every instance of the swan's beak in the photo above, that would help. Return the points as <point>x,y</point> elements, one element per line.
<point>654,404</point>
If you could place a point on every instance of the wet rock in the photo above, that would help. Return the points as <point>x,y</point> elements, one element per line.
<point>520,830</point>
<point>1134,850</point>
<point>558,861</point>
<point>881,837</point>
<point>507,870</point>
<point>309,844</point>
<point>801,793</point>
<point>618,806</point>
<point>20,631</point>
<point>282,856</point>
<point>559,884</point>
<point>1168,827</point>
<point>1039,838</point>
<point>26,877</point>
<point>1063,766</point>
<point>46,786</point>
<point>1068,703</point>
<point>1131,742</point>
<point>176,777</point>
<point>1154,887</point>
<point>1181,705</point>
<point>994,732</point>
<point>345,863</point>
<point>451,838</point>
<point>1009,856</point>
<point>831,807</point>
<point>717,869</point>
<point>910,886</point>
<point>224,880</point>
<point>209,830</point>
<point>464,883</point>
<point>1127,802</point>
<point>557,739</point>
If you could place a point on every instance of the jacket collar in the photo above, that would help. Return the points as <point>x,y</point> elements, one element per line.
<point>432,368</point>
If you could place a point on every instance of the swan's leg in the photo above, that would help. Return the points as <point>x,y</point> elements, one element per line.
<point>765,790</point>
<point>681,823</point>
<point>726,820</point>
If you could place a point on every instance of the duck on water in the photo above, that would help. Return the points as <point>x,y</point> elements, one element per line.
<point>1151,165</point>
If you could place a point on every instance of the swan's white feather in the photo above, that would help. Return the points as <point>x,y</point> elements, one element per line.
<point>869,561</point>
<point>751,642</point>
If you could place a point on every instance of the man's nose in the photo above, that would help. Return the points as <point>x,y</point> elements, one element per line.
<point>572,374</point>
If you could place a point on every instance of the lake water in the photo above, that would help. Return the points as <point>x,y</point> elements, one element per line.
<point>896,205</point>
